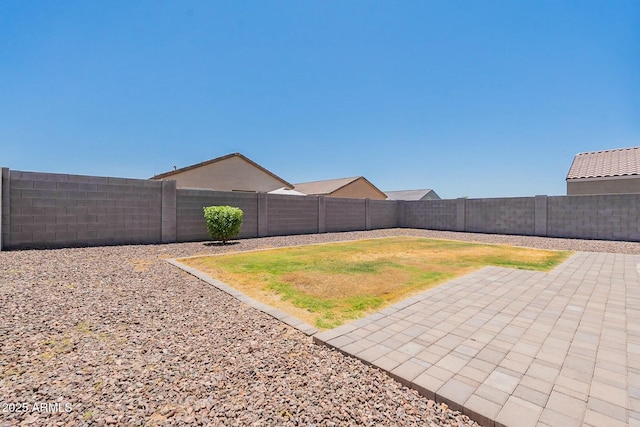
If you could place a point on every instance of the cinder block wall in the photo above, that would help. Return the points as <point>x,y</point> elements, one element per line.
<point>291,215</point>
<point>5,216</point>
<point>191,226</point>
<point>384,214</point>
<point>345,214</point>
<point>57,210</point>
<point>431,214</point>
<point>609,217</point>
<point>501,215</point>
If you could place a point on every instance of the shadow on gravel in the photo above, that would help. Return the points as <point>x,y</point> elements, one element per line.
<point>222,244</point>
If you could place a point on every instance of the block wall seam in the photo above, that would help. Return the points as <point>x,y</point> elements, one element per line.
<point>402,214</point>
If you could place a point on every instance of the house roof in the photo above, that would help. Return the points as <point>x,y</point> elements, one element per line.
<point>327,186</point>
<point>409,194</point>
<point>330,186</point>
<point>607,163</point>
<point>286,191</point>
<point>219,159</point>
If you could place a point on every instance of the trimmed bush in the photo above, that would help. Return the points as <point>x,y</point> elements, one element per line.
<point>223,222</point>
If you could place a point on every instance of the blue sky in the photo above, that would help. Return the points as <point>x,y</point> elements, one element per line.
<point>470,98</point>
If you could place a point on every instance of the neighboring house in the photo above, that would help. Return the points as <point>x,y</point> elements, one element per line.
<point>426,194</point>
<point>355,187</point>
<point>605,172</point>
<point>287,192</point>
<point>233,172</point>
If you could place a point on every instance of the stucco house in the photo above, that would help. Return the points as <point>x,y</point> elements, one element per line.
<point>605,172</point>
<point>357,187</point>
<point>424,194</point>
<point>233,172</point>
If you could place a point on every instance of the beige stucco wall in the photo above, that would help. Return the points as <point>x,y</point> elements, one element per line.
<point>603,186</point>
<point>358,189</point>
<point>232,174</point>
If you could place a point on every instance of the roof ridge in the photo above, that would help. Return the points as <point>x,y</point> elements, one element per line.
<point>218,159</point>
<point>608,151</point>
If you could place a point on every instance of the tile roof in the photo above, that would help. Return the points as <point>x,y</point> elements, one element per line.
<point>327,186</point>
<point>218,159</point>
<point>410,194</point>
<point>599,164</point>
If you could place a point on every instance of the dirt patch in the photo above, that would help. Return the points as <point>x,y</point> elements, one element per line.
<point>385,282</point>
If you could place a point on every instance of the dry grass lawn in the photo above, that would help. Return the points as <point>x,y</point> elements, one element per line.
<point>329,284</point>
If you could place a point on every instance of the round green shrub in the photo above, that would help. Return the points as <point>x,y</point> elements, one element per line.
<point>223,222</point>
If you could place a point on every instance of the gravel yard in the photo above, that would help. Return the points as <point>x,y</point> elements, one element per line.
<point>116,335</point>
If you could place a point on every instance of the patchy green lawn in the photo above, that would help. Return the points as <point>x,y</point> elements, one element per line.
<point>330,284</point>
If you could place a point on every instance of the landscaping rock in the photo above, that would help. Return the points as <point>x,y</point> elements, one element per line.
<point>118,336</point>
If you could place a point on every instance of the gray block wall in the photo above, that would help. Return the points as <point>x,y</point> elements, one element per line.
<point>384,214</point>
<point>501,215</point>
<point>58,210</point>
<point>610,217</point>
<point>169,211</point>
<point>541,213</point>
<point>344,214</point>
<point>291,215</point>
<point>5,217</point>
<point>431,214</point>
<point>415,214</point>
<point>191,226</point>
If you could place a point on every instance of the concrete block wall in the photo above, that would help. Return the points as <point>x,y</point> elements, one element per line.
<point>500,215</point>
<point>191,226</point>
<point>58,210</point>
<point>541,215</point>
<point>345,214</point>
<point>291,215</point>
<point>430,214</point>
<point>414,214</point>
<point>169,210</point>
<point>609,217</point>
<point>5,217</point>
<point>384,214</point>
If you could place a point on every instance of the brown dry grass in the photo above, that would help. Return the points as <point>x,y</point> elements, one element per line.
<point>329,284</point>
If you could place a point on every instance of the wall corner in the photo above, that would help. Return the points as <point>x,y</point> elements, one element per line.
<point>401,222</point>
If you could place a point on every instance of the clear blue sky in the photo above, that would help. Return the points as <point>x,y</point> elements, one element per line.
<point>470,98</point>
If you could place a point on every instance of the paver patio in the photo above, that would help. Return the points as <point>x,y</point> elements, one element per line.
<point>514,347</point>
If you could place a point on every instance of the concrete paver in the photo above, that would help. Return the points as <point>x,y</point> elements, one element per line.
<point>513,347</point>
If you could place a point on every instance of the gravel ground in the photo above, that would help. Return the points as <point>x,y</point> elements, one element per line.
<point>117,336</point>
